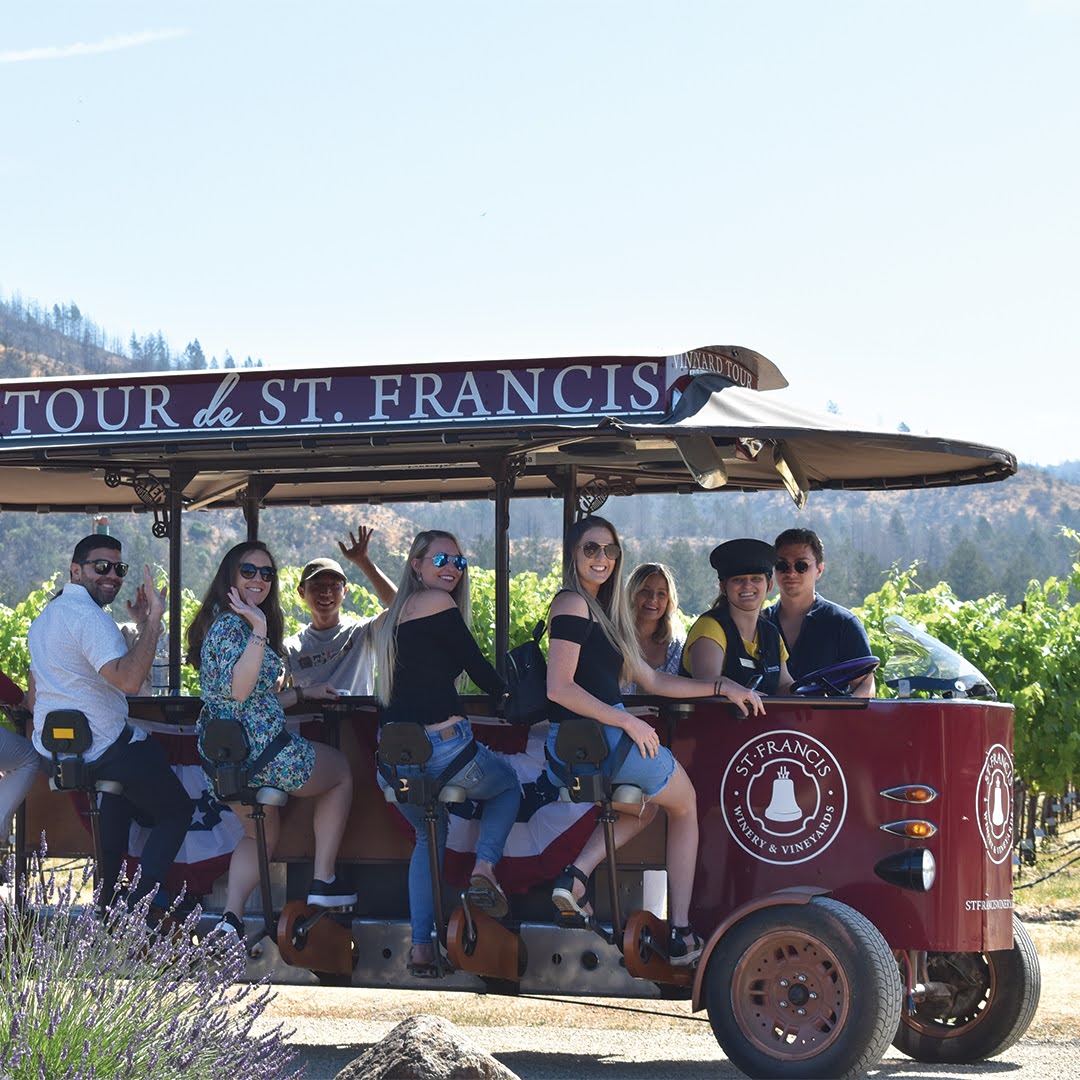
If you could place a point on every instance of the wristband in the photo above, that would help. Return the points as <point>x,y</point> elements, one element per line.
<point>299,694</point>
<point>259,639</point>
<point>717,692</point>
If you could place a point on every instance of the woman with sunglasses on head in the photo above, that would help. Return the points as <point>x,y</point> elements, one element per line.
<point>422,645</point>
<point>654,608</point>
<point>818,633</point>
<point>235,643</point>
<point>592,650</point>
<point>733,641</point>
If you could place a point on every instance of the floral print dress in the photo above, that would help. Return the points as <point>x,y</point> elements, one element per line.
<point>260,713</point>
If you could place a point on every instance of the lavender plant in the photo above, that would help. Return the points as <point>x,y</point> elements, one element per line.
<point>85,996</point>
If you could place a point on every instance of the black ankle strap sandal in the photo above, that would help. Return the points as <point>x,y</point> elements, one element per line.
<point>562,896</point>
<point>684,946</point>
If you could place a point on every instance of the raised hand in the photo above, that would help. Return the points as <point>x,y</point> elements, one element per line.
<point>148,600</point>
<point>251,612</point>
<point>357,551</point>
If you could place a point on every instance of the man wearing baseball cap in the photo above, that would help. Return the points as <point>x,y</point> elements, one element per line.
<point>336,648</point>
<point>732,640</point>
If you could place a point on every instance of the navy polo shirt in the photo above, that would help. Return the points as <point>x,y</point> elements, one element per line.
<point>830,634</point>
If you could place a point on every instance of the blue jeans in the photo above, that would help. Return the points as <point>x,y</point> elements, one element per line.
<point>489,779</point>
<point>20,763</point>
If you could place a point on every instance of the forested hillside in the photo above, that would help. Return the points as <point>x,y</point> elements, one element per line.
<point>981,539</point>
<point>38,341</point>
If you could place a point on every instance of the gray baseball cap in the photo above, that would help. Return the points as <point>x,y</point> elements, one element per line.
<point>322,566</point>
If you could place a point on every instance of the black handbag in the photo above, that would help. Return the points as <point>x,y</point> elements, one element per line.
<point>526,681</point>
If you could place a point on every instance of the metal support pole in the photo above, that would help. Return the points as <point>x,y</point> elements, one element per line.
<point>504,486</point>
<point>608,817</point>
<point>569,499</point>
<point>176,613</point>
<point>252,498</point>
<point>431,817</point>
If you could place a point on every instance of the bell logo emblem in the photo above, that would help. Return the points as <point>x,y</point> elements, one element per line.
<point>783,805</point>
<point>997,814</point>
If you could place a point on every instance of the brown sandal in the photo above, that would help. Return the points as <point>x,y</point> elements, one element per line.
<point>422,962</point>
<point>485,894</point>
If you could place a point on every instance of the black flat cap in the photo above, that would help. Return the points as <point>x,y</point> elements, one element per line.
<point>745,556</point>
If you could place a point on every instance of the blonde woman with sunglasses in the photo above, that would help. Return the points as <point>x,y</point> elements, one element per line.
<point>593,650</point>
<point>422,645</point>
<point>235,643</point>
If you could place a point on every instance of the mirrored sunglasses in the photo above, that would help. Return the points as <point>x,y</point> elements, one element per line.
<point>249,570</point>
<point>103,566</point>
<point>800,566</point>
<point>592,549</point>
<point>459,561</point>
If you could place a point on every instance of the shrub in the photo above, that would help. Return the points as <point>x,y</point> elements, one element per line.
<point>84,995</point>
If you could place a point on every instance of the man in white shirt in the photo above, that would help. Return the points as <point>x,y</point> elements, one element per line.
<point>79,660</point>
<point>337,649</point>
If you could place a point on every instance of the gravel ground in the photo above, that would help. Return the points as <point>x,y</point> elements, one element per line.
<point>549,1038</point>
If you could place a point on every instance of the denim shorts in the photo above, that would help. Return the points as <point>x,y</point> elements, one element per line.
<point>651,774</point>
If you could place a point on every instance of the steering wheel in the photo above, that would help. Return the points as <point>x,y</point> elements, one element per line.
<point>835,680</point>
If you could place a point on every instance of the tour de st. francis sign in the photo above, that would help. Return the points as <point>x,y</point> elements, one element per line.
<point>254,401</point>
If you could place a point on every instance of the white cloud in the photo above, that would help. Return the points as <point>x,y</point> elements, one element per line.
<point>89,48</point>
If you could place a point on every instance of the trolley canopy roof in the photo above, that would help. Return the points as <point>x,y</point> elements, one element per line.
<point>376,434</point>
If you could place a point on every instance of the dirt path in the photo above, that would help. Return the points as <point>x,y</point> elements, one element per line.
<point>582,1038</point>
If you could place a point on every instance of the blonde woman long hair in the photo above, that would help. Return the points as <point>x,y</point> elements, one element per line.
<point>410,584</point>
<point>608,608</point>
<point>665,628</point>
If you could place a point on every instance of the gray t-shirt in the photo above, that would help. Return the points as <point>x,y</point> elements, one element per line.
<point>342,656</point>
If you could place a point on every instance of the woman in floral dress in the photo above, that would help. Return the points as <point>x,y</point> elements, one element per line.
<point>235,643</point>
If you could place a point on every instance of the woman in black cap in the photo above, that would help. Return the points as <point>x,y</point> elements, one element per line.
<point>592,650</point>
<point>732,641</point>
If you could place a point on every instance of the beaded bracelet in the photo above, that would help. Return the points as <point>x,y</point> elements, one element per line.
<point>259,639</point>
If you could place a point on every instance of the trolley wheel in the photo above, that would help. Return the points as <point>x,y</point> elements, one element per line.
<point>994,998</point>
<point>643,947</point>
<point>803,991</point>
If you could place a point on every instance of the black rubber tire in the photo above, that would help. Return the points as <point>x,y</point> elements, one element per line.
<point>824,957</point>
<point>991,1011</point>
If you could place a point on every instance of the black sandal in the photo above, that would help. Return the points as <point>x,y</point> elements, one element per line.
<point>562,896</point>
<point>684,947</point>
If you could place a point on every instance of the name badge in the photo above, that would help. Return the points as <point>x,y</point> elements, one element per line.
<point>746,662</point>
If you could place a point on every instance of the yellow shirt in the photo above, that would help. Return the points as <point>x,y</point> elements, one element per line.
<point>705,626</point>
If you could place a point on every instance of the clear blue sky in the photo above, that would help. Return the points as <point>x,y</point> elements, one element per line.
<point>880,197</point>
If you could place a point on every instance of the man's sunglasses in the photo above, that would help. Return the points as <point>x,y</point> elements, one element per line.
<point>103,566</point>
<point>592,549</point>
<point>800,566</point>
<point>459,561</point>
<point>249,570</point>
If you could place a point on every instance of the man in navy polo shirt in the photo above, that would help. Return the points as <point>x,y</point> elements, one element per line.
<point>817,632</point>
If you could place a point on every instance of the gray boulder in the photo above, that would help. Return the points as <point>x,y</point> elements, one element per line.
<point>425,1048</point>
